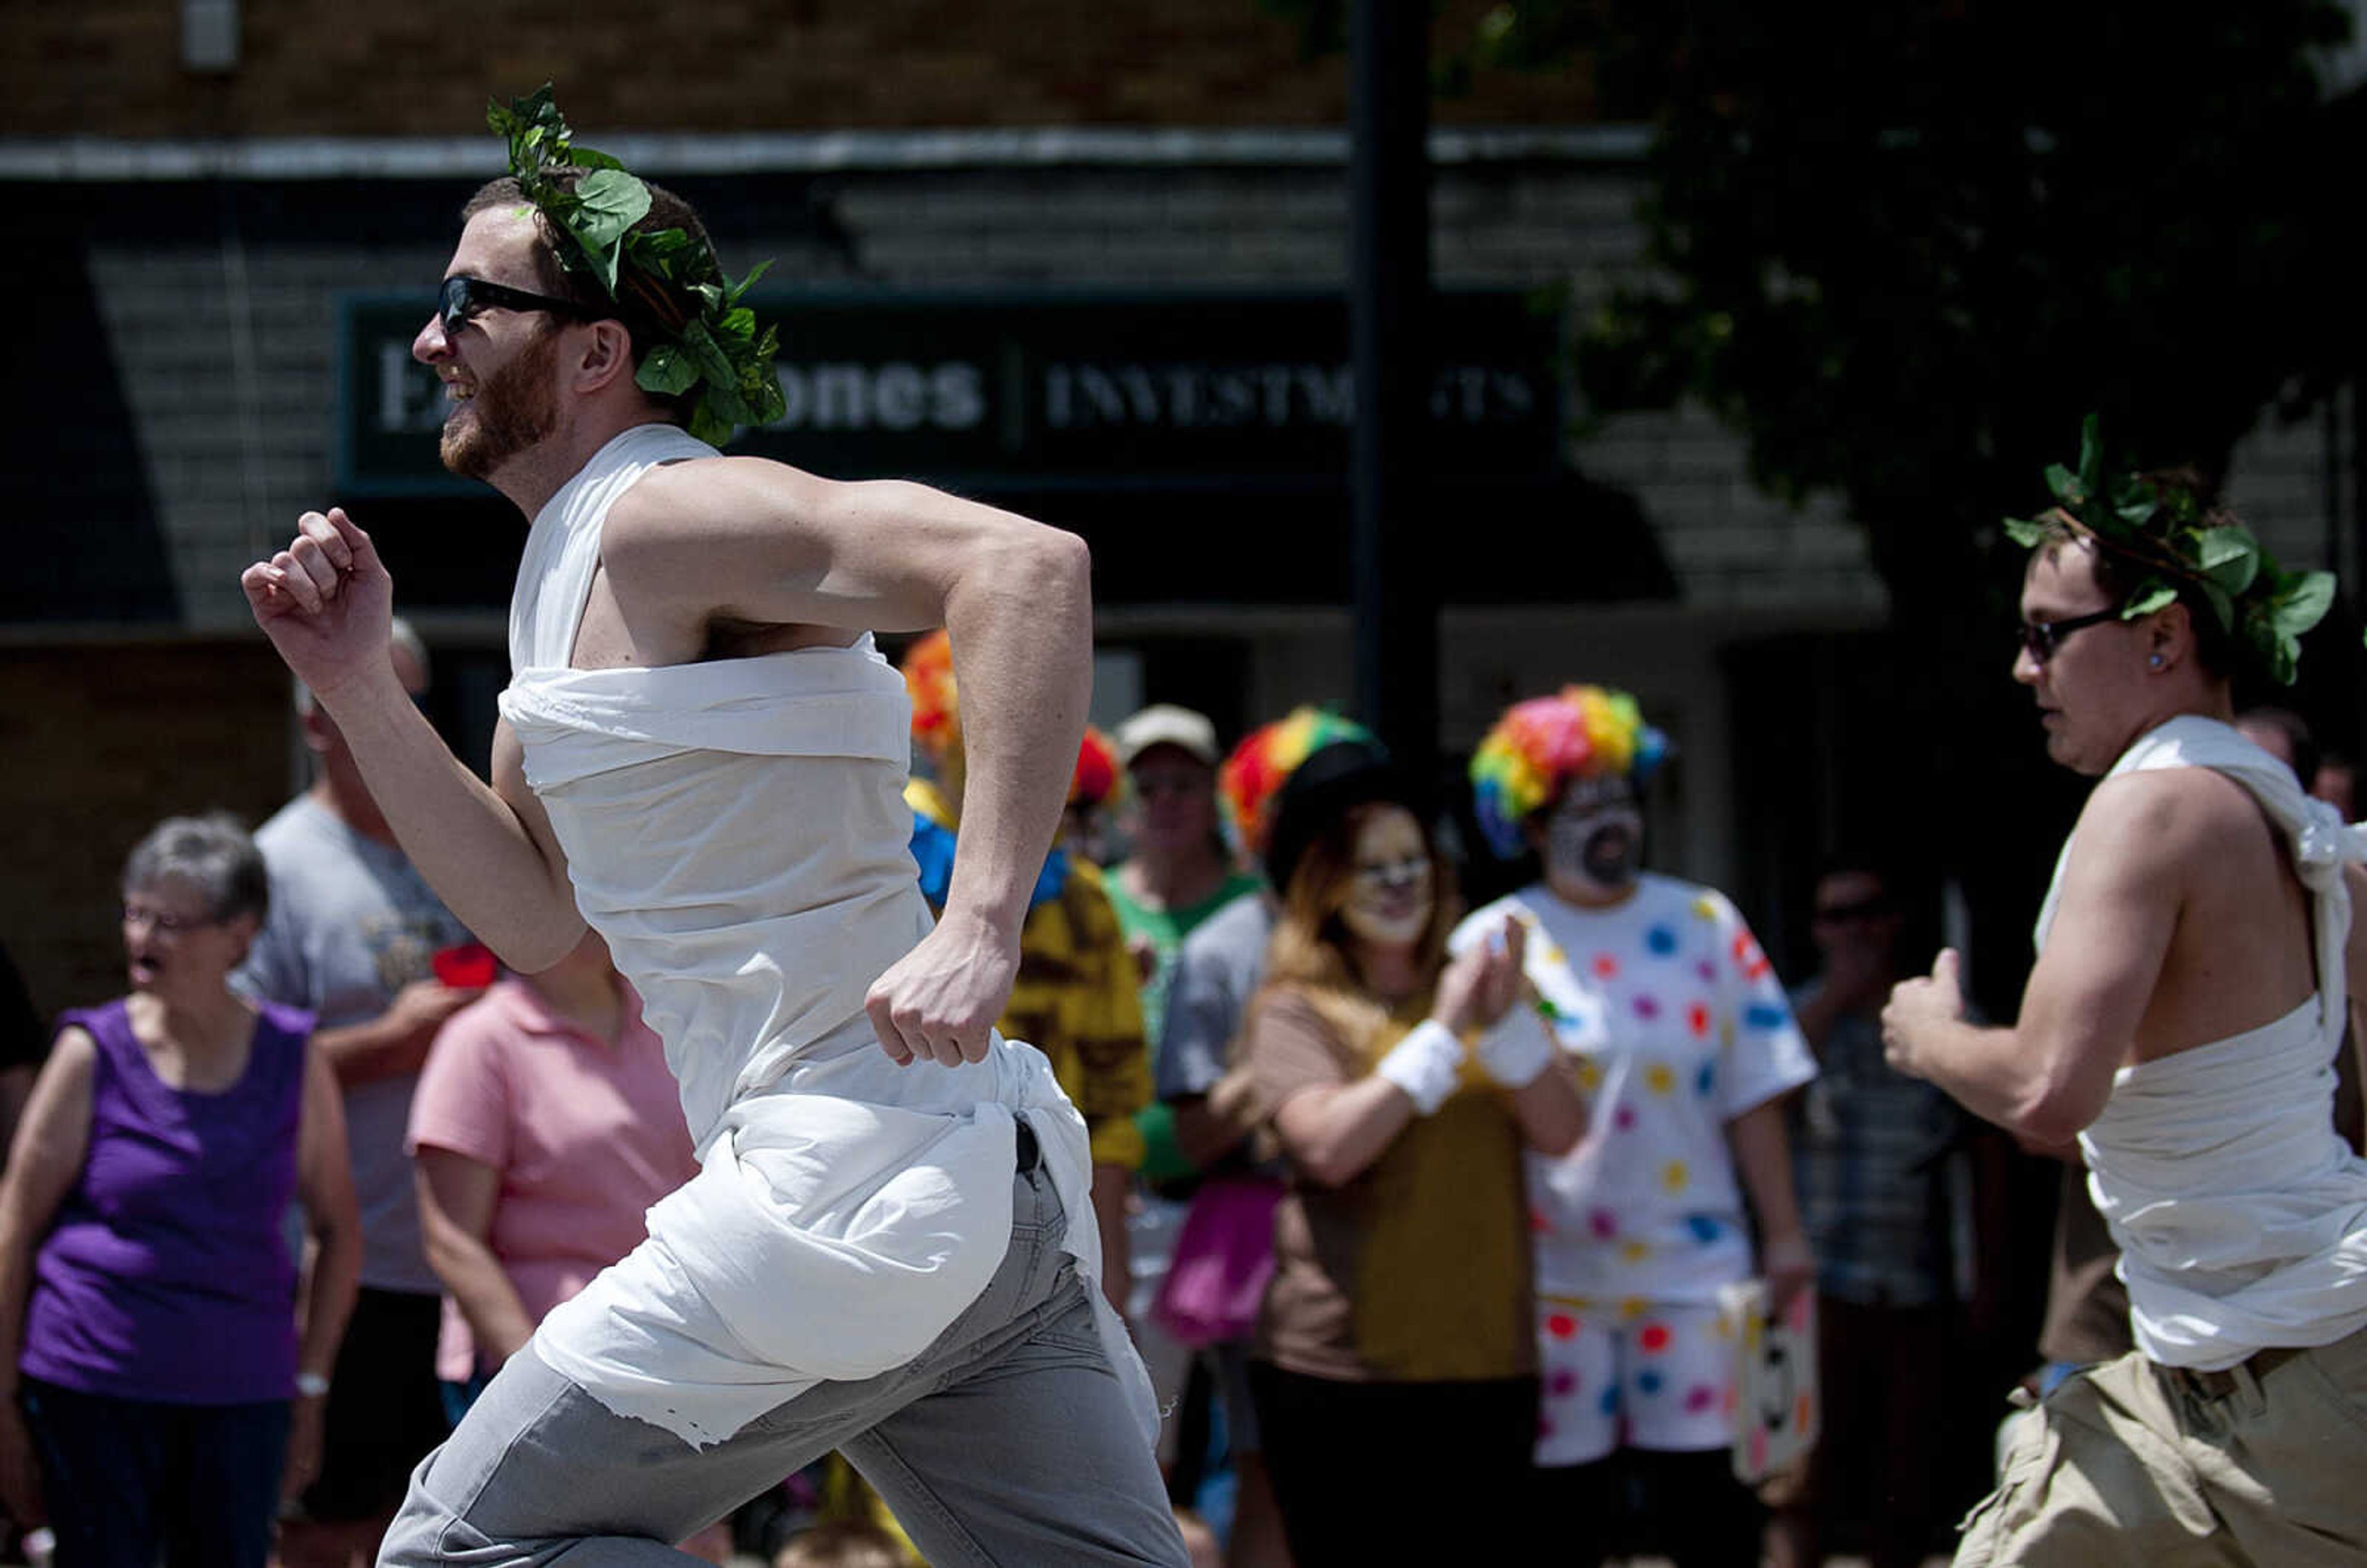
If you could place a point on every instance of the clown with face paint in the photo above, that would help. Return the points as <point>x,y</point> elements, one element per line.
<point>1396,1320</point>
<point>1685,1045</point>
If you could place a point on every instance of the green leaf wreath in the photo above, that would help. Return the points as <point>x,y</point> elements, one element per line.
<point>665,276</point>
<point>2172,539</point>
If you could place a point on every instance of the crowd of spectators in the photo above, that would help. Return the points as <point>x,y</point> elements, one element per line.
<point>1419,1213</point>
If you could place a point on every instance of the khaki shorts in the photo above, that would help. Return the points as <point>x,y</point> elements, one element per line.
<point>2137,1463</point>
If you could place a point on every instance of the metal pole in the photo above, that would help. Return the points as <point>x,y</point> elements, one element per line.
<point>1389,335</point>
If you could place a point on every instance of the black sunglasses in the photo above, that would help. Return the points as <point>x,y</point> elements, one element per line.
<point>463,300</point>
<point>2040,639</point>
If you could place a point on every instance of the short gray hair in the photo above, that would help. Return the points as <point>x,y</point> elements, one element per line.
<point>399,634</point>
<point>212,853</point>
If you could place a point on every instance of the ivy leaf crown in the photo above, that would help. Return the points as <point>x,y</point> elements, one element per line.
<point>667,280</point>
<point>2165,532</point>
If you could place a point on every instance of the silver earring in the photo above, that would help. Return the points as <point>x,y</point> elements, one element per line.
<point>2154,661</point>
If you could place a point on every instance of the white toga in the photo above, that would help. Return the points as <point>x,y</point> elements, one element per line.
<point>2240,1215</point>
<point>736,829</point>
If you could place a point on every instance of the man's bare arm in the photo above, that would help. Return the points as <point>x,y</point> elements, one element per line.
<point>487,850</point>
<point>756,541</point>
<point>326,603</point>
<point>2049,1076</point>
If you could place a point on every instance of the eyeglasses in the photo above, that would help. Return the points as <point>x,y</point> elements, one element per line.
<point>1864,909</point>
<point>164,921</point>
<point>463,300</point>
<point>2043,640</point>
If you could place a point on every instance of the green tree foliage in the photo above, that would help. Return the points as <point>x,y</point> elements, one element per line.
<point>1902,248</point>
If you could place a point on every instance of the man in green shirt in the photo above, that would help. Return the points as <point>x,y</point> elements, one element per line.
<point>1180,871</point>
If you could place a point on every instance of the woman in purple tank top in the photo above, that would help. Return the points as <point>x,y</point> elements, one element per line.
<point>160,1395</point>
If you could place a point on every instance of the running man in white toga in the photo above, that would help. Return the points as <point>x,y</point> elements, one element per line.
<point>2193,958</point>
<point>702,754</point>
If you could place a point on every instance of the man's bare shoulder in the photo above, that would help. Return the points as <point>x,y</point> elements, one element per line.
<point>2163,816</point>
<point>711,535</point>
<point>725,557</point>
<point>706,501</point>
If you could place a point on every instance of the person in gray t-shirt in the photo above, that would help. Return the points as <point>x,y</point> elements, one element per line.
<point>351,936</point>
<point>1216,971</point>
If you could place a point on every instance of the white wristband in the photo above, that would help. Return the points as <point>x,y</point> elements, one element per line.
<point>1425,1063</point>
<point>1515,1051</point>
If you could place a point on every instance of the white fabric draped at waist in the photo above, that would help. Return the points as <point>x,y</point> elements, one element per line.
<point>736,831</point>
<point>2243,1110</point>
<point>2242,1220</point>
<point>825,1239</point>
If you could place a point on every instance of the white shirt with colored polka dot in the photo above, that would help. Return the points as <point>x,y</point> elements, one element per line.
<point>1677,1024</point>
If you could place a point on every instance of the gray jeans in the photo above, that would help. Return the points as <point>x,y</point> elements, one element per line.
<point>1008,1441</point>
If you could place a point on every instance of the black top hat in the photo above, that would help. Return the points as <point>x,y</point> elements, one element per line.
<point>1331,780</point>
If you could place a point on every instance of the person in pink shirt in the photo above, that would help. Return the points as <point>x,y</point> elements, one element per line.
<point>544,1125</point>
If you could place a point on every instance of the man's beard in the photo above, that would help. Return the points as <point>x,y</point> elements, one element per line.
<point>514,410</point>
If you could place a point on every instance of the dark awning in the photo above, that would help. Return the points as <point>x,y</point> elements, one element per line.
<point>1551,540</point>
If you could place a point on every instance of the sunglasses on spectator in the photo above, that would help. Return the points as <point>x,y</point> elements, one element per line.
<point>2041,639</point>
<point>1864,909</point>
<point>463,300</point>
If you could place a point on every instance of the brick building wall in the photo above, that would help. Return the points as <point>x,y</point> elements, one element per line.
<point>103,740</point>
<point>113,67</point>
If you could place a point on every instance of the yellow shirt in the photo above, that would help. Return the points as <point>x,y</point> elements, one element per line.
<point>1418,1269</point>
<point>1077,1002</point>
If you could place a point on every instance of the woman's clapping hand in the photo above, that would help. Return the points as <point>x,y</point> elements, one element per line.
<point>1482,982</point>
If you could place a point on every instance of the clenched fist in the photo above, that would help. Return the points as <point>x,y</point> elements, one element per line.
<point>325,602</point>
<point>939,1002</point>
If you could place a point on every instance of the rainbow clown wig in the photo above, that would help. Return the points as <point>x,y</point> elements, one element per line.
<point>1265,760</point>
<point>1540,745</point>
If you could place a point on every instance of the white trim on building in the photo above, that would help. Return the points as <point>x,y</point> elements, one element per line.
<point>99,158</point>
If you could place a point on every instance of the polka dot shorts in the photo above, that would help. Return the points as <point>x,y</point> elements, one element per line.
<point>1635,1373</point>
